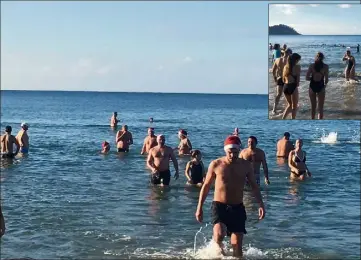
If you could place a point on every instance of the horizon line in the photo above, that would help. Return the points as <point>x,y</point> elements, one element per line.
<point>137,92</point>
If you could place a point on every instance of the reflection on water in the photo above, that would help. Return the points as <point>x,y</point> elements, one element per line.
<point>281,161</point>
<point>350,96</point>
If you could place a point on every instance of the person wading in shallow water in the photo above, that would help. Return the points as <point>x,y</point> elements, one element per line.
<point>228,212</point>
<point>297,162</point>
<point>7,141</point>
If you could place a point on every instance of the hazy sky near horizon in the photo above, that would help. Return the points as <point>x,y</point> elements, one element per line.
<point>204,47</point>
<point>318,19</point>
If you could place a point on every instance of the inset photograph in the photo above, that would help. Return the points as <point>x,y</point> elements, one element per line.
<point>314,56</point>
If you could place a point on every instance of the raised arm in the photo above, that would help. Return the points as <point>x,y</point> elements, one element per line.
<point>308,74</point>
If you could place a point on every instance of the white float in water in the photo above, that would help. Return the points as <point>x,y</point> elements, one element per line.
<point>331,138</point>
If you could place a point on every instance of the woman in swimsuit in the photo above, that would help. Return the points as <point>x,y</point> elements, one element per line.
<point>350,69</point>
<point>195,171</point>
<point>317,74</point>
<point>291,78</point>
<point>297,162</point>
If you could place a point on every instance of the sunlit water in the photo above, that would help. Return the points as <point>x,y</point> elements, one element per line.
<point>66,200</point>
<point>343,100</point>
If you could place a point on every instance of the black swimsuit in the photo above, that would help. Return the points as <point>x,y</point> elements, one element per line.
<point>297,159</point>
<point>197,173</point>
<point>350,64</point>
<point>317,86</point>
<point>289,88</point>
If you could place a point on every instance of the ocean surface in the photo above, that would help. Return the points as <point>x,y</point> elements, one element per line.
<point>66,200</point>
<point>343,100</point>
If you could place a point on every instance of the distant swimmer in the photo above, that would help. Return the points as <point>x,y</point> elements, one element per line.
<point>257,157</point>
<point>114,120</point>
<point>7,141</point>
<point>195,170</point>
<point>149,142</point>
<point>228,212</point>
<point>358,48</point>
<point>350,68</point>
<point>105,147</point>
<point>151,120</point>
<point>277,71</point>
<point>284,146</point>
<point>276,52</point>
<point>236,132</point>
<point>297,162</point>
<point>23,138</point>
<point>124,139</point>
<point>317,74</point>
<point>2,223</point>
<point>291,77</point>
<point>270,46</point>
<point>185,145</point>
<point>158,162</point>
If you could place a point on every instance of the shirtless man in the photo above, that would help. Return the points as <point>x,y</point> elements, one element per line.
<point>114,120</point>
<point>277,71</point>
<point>23,138</point>
<point>149,142</point>
<point>257,157</point>
<point>7,141</point>
<point>124,139</point>
<point>228,212</point>
<point>2,223</point>
<point>185,145</point>
<point>284,146</point>
<point>158,162</point>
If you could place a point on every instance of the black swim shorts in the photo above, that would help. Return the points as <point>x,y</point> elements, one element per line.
<point>233,216</point>
<point>122,150</point>
<point>158,177</point>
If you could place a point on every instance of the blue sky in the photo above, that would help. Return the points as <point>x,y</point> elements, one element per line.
<point>203,47</point>
<point>318,19</point>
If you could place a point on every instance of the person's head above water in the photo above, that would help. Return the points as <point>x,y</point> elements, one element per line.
<point>196,154</point>
<point>232,145</point>
<point>161,140</point>
<point>151,119</point>
<point>182,133</point>
<point>115,113</point>
<point>252,142</point>
<point>24,126</point>
<point>151,131</point>
<point>299,143</point>
<point>8,129</point>
<point>236,130</point>
<point>287,135</point>
<point>348,52</point>
<point>125,128</point>
<point>105,146</point>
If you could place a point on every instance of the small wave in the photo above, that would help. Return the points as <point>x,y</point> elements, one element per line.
<point>331,138</point>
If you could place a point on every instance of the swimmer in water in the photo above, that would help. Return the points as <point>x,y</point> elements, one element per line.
<point>185,145</point>
<point>358,48</point>
<point>105,147</point>
<point>257,157</point>
<point>297,162</point>
<point>195,171</point>
<point>2,223</point>
<point>284,146</point>
<point>317,74</point>
<point>277,71</point>
<point>151,120</point>
<point>114,120</point>
<point>291,77</point>
<point>7,141</point>
<point>351,63</point>
<point>158,162</point>
<point>149,142</point>
<point>228,211</point>
<point>124,139</point>
<point>23,138</point>
<point>270,46</point>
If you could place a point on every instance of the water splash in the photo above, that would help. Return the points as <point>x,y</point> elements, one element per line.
<point>331,138</point>
<point>195,238</point>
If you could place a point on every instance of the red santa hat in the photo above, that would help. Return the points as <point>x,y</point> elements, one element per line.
<point>232,142</point>
<point>183,132</point>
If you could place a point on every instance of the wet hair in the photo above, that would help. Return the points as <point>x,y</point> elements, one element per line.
<point>319,61</point>
<point>254,139</point>
<point>8,129</point>
<point>195,153</point>
<point>291,62</point>
<point>286,134</point>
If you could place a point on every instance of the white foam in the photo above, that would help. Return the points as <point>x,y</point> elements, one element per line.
<point>331,138</point>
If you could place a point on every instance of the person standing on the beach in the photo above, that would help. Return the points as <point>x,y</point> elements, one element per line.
<point>257,157</point>
<point>297,162</point>
<point>7,141</point>
<point>2,223</point>
<point>114,120</point>
<point>158,162</point>
<point>124,139</point>
<point>149,142</point>
<point>228,212</point>
<point>317,74</point>
<point>23,138</point>
<point>284,146</point>
<point>291,77</point>
<point>277,71</point>
<point>185,145</point>
<point>350,68</point>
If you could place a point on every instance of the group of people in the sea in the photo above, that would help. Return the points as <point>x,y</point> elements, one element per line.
<point>232,173</point>
<point>239,168</point>
<point>287,73</point>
